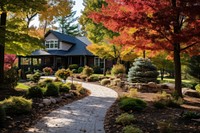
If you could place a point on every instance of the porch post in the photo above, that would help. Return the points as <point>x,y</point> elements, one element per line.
<point>85,60</point>
<point>54,62</point>
<point>80,61</point>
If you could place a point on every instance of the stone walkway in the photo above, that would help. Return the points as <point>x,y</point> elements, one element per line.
<point>82,116</point>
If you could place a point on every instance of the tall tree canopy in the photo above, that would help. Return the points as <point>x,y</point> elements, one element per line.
<point>172,25</point>
<point>12,33</point>
<point>68,26</point>
<point>54,10</point>
<point>95,32</point>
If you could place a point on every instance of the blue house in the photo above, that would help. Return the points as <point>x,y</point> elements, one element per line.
<point>60,51</point>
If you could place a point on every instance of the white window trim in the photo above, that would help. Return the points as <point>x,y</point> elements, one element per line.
<point>98,63</point>
<point>53,44</point>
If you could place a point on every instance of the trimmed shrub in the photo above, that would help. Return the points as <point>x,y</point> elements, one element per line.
<point>47,71</point>
<point>2,116</point>
<point>16,105</point>
<point>35,92</point>
<point>44,82</point>
<point>127,104</point>
<point>133,92</point>
<point>35,77</point>
<point>92,78</point>
<point>142,71</point>
<point>63,73</point>
<point>197,87</point>
<point>131,129</point>
<point>73,66</point>
<point>115,81</point>
<point>125,119</point>
<point>52,90</point>
<point>87,71</point>
<point>64,88</point>
<point>105,81</point>
<point>118,69</point>
<point>80,69</point>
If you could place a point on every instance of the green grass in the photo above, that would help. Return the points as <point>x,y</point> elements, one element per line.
<point>22,87</point>
<point>170,80</point>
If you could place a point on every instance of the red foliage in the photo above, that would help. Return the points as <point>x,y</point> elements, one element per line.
<point>9,60</point>
<point>159,23</point>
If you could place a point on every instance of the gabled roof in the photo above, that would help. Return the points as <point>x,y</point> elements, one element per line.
<point>78,48</point>
<point>62,37</point>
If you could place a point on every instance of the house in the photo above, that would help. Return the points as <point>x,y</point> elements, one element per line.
<point>60,51</point>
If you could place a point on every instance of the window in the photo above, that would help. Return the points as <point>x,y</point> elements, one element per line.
<point>98,62</point>
<point>51,44</point>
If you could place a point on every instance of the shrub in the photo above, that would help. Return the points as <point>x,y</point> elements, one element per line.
<point>2,116</point>
<point>87,71</point>
<point>167,100</point>
<point>92,78</point>
<point>47,71</point>
<point>115,81</point>
<point>64,88</point>
<point>16,105</point>
<point>197,87</point>
<point>125,119</point>
<point>35,77</point>
<point>131,129</point>
<point>105,81</point>
<point>52,90</point>
<point>11,77</point>
<point>44,82</point>
<point>191,115</point>
<point>35,92</point>
<point>118,69</point>
<point>63,73</point>
<point>80,69</point>
<point>132,92</point>
<point>142,71</point>
<point>97,69</point>
<point>83,77</point>
<point>128,104</point>
<point>73,66</point>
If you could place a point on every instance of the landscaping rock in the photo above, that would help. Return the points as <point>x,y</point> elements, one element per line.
<point>191,93</point>
<point>53,100</point>
<point>58,99</point>
<point>47,102</point>
<point>152,84</point>
<point>170,85</point>
<point>68,95</point>
<point>41,105</point>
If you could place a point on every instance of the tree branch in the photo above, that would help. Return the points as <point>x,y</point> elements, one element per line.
<point>189,46</point>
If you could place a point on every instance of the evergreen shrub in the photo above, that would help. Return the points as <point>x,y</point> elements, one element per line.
<point>87,71</point>
<point>127,104</point>
<point>142,71</point>
<point>131,129</point>
<point>118,69</point>
<point>35,92</point>
<point>105,81</point>
<point>125,119</point>
<point>63,73</point>
<point>16,105</point>
<point>52,90</point>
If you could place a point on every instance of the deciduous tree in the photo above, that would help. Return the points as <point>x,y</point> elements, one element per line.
<point>172,25</point>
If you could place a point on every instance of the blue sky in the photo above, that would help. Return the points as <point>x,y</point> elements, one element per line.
<point>78,7</point>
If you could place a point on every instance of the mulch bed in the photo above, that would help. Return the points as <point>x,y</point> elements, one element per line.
<point>152,120</point>
<point>20,124</point>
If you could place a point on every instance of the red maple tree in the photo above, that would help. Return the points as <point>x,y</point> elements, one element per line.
<point>172,25</point>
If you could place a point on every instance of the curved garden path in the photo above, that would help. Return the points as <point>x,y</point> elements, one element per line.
<point>82,116</point>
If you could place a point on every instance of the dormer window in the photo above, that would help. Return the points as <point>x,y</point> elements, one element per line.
<point>51,44</point>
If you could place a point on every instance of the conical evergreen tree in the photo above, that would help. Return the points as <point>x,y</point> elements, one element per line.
<point>68,26</point>
<point>142,71</point>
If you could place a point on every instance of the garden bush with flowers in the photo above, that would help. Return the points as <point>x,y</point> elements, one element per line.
<point>48,71</point>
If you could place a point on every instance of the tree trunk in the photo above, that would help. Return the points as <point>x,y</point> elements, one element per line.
<point>162,73</point>
<point>2,44</point>
<point>177,68</point>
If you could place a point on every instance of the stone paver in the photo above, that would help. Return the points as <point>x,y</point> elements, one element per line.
<point>82,116</point>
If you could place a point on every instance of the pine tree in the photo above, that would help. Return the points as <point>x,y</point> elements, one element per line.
<point>142,71</point>
<point>68,26</point>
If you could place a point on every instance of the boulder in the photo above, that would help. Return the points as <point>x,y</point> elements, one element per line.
<point>169,86</point>
<point>41,105</point>
<point>46,102</point>
<point>191,93</point>
<point>152,84</point>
